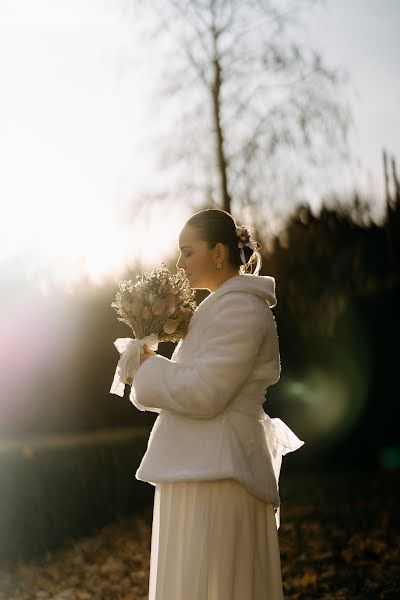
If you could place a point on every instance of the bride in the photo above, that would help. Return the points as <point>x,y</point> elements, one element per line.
<point>214,455</point>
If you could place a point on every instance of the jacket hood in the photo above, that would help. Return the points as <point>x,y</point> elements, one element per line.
<point>260,285</point>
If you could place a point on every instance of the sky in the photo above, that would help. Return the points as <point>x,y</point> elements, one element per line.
<point>78,130</point>
<point>363,37</point>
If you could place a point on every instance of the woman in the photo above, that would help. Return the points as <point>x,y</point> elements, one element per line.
<point>213,454</point>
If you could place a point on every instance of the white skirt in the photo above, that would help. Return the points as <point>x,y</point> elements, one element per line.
<point>213,540</point>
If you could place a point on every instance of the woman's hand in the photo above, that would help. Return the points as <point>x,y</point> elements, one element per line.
<point>148,353</point>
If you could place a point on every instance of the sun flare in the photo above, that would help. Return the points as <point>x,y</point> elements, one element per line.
<point>72,147</point>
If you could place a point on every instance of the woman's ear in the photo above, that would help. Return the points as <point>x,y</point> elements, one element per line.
<point>220,252</point>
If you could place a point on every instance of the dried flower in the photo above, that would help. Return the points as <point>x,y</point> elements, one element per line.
<point>146,313</point>
<point>158,307</point>
<point>170,326</point>
<point>156,302</point>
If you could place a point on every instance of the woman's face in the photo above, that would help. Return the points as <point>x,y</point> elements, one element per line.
<point>197,260</point>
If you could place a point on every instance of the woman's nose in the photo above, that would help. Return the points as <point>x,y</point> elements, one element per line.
<point>179,264</point>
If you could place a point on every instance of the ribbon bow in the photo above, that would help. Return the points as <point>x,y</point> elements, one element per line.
<point>242,256</point>
<point>130,350</point>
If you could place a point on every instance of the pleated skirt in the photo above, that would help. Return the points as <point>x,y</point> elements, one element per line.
<point>213,540</point>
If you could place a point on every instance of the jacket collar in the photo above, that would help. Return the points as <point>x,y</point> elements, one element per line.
<point>259,285</point>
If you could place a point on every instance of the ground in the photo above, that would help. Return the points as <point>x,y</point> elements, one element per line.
<point>339,539</point>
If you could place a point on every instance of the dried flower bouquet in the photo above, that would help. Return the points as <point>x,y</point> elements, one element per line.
<point>157,307</point>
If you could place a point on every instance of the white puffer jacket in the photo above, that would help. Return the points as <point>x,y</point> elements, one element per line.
<point>210,395</point>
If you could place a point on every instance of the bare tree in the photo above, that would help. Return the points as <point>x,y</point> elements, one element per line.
<point>248,99</point>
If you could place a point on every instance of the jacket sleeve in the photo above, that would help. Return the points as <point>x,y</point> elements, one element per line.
<point>220,367</point>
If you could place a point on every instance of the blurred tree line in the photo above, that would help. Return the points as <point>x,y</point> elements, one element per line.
<point>338,288</point>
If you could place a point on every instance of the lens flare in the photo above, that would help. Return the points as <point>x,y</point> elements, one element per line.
<point>34,341</point>
<point>329,399</point>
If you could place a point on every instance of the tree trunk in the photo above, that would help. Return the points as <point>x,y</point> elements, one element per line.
<point>221,159</point>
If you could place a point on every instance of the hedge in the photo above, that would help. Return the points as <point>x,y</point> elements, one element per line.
<point>56,488</point>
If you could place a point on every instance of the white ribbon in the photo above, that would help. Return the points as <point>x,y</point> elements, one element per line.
<point>280,440</point>
<point>130,350</point>
<point>242,256</point>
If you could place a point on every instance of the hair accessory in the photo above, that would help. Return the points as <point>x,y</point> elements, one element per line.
<point>243,234</point>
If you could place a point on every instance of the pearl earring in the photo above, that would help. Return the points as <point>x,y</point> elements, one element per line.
<point>219,266</point>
